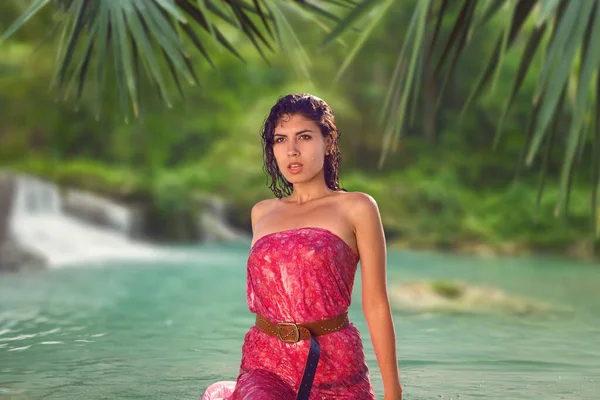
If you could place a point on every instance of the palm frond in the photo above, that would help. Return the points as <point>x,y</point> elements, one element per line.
<point>140,40</point>
<point>575,30</point>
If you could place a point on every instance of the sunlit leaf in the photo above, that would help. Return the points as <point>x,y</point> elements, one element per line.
<point>493,7</point>
<point>566,24</point>
<point>33,9</point>
<point>355,14</point>
<point>362,37</point>
<point>525,63</point>
<point>393,128</point>
<point>595,167</point>
<point>548,7</point>
<point>505,40</point>
<point>548,147</point>
<point>590,65</point>
<point>558,79</point>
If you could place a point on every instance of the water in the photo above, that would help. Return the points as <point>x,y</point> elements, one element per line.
<point>166,330</point>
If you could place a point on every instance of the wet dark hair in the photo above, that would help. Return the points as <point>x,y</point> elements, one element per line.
<point>315,109</point>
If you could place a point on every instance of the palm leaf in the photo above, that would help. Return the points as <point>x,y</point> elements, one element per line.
<point>362,37</point>
<point>591,60</point>
<point>548,148</point>
<point>393,128</point>
<point>574,31</point>
<point>504,42</point>
<point>595,167</point>
<point>458,33</point>
<point>526,59</point>
<point>556,80</point>
<point>33,9</point>
<point>356,14</point>
<point>122,35</point>
<point>492,9</point>
<point>461,42</point>
<point>436,30</point>
<point>128,34</point>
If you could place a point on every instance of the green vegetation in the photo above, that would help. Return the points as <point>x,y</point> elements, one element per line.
<point>448,290</point>
<point>445,187</point>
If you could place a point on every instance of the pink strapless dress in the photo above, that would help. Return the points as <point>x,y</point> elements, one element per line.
<point>299,275</point>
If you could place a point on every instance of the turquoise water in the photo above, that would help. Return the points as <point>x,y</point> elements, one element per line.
<point>165,331</point>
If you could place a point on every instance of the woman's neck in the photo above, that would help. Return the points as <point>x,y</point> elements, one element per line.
<point>306,192</point>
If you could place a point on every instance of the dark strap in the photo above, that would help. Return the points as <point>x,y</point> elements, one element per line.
<point>309,369</point>
<point>291,332</point>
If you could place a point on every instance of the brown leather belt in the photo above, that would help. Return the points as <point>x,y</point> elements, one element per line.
<point>291,332</point>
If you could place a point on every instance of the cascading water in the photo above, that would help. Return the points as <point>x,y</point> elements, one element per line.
<point>38,223</point>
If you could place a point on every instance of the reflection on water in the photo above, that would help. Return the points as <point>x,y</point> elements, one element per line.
<point>168,330</point>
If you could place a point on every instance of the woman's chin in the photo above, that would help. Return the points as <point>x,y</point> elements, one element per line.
<point>294,179</point>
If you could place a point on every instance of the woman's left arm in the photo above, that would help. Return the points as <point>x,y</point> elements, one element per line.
<point>371,245</point>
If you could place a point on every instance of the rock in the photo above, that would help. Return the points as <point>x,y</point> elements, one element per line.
<point>449,290</point>
<point>212,229</point>
<point>456,297</point>
<point>581,250</point>
<point>212,222</point>
<point>102,212</point>
<point>6,196</point>
<point>14,258</point>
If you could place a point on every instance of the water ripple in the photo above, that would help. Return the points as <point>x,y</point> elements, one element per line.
<point>19,348</point>
<point>20,337</point>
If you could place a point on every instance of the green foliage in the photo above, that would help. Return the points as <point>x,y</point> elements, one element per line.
<point>448,290</point>
<point>435,209</point>
<point>565,32</point>
<point>102,178</point>
<point>446,186</point>
<point>139,40</point>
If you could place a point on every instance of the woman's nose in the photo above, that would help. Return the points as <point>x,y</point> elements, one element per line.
<point>292,148</point>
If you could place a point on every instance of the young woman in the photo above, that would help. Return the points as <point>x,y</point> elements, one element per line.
<point>301,268</point>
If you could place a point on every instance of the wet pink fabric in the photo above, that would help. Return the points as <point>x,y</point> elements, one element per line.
<point>299,275</point>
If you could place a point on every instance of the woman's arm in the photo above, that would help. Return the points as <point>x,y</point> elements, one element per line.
<point>370,241</point>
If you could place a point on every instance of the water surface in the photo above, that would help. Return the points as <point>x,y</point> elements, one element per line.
<point>167,330</point>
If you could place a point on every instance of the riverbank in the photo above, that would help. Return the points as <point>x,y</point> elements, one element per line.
<point>419,211</point>
<point>586,249</point>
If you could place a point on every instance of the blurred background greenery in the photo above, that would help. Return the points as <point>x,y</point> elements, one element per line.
<point>114,316</point>
<point>445,187</point>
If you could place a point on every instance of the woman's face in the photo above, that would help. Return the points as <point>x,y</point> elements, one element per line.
<point>299,148</point>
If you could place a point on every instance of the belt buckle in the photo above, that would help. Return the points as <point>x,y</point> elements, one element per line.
<point>296,332</point>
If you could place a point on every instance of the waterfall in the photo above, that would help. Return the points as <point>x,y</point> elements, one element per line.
<point>38,223</point>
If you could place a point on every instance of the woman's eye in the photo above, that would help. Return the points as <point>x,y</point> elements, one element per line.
<point>278,140</point>
<point>305,137</point>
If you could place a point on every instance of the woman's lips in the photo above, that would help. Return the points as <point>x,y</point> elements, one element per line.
<point>295,168</point>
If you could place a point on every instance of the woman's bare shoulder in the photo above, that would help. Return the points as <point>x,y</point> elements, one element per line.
<point>359,205</point>
<point>261,208</point>
<point>359,199</point>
